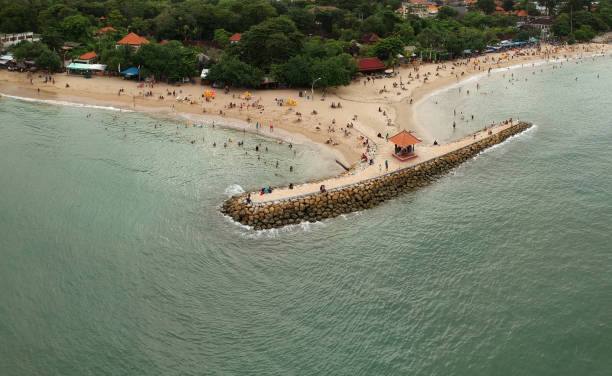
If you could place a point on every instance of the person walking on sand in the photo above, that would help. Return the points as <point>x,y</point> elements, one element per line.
<point>387,165</point>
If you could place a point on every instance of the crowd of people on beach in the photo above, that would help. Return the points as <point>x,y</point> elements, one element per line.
<point>398,81</point>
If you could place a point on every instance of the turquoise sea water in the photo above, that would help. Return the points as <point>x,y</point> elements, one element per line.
<point>115,259</point>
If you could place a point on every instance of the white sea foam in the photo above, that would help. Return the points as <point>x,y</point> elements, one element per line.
<point>233,190</point>
<point>64,103</point>
<point>523,134</point>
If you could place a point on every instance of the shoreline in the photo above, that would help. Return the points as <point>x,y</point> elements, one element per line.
<point>478,76</point>
<point>226,123</point>
<point>369,108</point>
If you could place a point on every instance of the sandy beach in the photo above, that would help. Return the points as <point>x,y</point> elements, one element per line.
<point>367,108</point>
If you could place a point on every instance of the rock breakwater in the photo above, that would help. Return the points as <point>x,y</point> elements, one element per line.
<point>359,196</point>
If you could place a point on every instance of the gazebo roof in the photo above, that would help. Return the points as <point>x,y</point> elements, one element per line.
<point>404,139</point>
<point>133,39</point>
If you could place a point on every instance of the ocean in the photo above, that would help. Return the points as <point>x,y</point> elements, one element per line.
<point>116,260</point>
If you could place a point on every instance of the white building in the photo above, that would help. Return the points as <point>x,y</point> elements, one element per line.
<point>8,40</point>
<point>419,8</point>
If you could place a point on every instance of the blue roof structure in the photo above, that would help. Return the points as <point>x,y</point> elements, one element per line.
<point>133,71</point>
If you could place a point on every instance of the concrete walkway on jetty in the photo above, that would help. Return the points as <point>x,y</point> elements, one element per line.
<point>382,151</point>
<point>364,194</point>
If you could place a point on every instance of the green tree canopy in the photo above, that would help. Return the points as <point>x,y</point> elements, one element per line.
<point>585,33</point>
<point>16,18</point>
<point>487,6</point>
<point>388,48</point>
<point>561,26</point>
<point>48,59</point>
<point>271,42</point>
<point>76,28</point>
<point>170,60</point>
<point>303,19</point>
<point>405,31</point>
<point>113,57</point>
<point>27,50</point>
<point>222,37</point>
<point>448,12</point>
<point>231,70</point>
<point>508,5</point>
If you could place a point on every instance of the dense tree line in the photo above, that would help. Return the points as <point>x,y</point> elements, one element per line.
<point>295,41</point>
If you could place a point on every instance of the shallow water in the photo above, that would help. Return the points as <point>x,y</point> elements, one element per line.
<point>115,259</point>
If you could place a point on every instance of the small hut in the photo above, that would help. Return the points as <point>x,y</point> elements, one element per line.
<point>404,145</point>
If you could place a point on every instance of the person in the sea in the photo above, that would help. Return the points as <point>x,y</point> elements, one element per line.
<point>435,142</point>
<point>290,185</point>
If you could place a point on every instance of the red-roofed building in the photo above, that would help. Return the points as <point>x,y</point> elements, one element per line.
<point>432,9</point>
<point>104,30</point>
<point>323,7</point>
<point>369,38</point>
<point>522,13</point>
<point>235,38</point>
<point>371,64</point>
<point>88,58</point>
<point>132,39</point>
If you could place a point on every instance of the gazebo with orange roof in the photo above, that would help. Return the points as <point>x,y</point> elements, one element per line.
<point>132,39</point>
<point>404,145</point>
